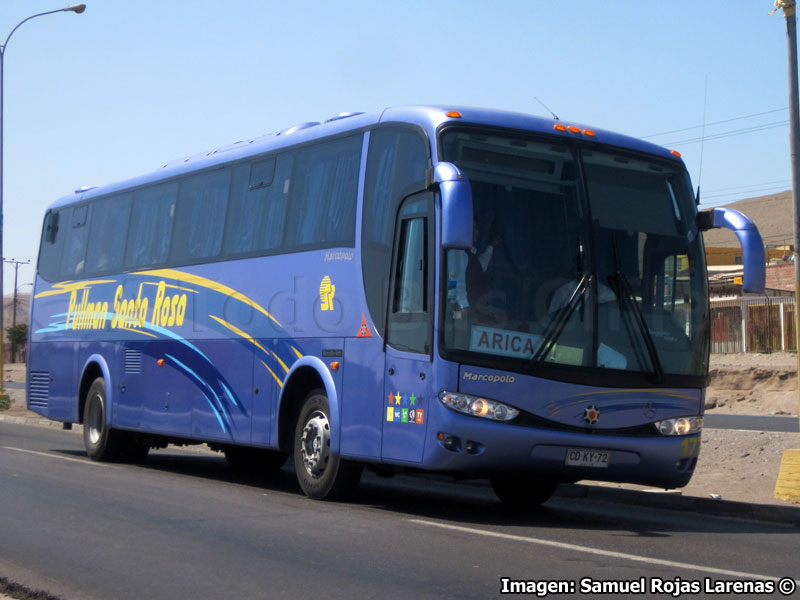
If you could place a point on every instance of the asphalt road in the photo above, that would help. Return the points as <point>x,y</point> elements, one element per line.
<point>182,526</point>
<point>751,422</point>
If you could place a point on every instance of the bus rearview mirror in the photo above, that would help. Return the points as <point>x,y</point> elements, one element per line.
<point>753,256</point>
<point>456,195</point>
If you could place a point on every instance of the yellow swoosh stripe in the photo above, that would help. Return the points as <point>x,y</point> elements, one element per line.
<point>283,364</point>
<point>668,393</point>
<point>171,286</point>
<point>241,333</point>
<point>209,284</point>
<point>70,286</point>
<point>280,383</point>
<point>138,331</point>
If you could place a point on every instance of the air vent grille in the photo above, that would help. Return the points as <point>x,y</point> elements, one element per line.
<point>133,361</point>
<point>39,394</point>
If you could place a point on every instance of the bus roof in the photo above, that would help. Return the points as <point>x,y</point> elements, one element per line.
<point>429,118</point>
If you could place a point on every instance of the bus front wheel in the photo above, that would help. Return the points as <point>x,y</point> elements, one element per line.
<point>321,474</point>
<point>102,443</point>
<point>520,491</point>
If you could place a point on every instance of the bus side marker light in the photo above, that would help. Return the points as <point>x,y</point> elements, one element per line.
<point>453,114</point>
<point>160,362</point>
<point>335,365</point>
<point>675,153</point>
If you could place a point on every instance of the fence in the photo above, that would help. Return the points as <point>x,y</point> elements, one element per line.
<point>762,324</point>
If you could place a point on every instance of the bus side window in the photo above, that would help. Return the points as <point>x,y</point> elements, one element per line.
<point>262,173</point>
<point>50,250</point>
<point>151,225</point>
<point>411,296</point>
<point>73,259</point>
<point>202,204</point>
<point>107,234</point>
<point>51,228</point>
<point>324,194</point>
<point>257,207</point>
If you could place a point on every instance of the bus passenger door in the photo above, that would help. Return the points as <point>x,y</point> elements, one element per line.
<point>409,333</point>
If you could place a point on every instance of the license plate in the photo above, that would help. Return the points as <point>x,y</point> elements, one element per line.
<point>584,457</point>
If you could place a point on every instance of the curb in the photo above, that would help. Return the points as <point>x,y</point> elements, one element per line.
<point>731,509</point>
<point>35,421</point>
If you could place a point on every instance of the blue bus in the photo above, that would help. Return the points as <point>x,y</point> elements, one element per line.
<point>455,290</point>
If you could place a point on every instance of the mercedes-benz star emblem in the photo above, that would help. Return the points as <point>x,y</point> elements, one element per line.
<point>591,415</point>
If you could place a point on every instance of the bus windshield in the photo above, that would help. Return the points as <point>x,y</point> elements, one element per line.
<point>580,257</point>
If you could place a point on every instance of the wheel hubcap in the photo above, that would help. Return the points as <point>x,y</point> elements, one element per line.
<point>95,420</point>
<point>315,444</point>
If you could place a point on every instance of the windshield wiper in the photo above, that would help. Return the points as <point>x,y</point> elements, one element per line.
<point>622,288</point>
<point>556,325</point>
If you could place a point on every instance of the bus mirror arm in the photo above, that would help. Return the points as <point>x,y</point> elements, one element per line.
<point>753,255</point>
<point>456,194</point>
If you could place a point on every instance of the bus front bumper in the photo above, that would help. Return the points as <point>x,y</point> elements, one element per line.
<point>469,447</point>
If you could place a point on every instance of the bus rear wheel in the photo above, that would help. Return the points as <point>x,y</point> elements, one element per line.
<point>520,491</point>
<point>321,474</point>
<point>101,441</point>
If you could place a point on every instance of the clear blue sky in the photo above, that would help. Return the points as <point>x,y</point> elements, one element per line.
<point>126,86</point>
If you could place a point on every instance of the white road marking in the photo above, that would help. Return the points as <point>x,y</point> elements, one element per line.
<point>51,455</point>
<point>597,551</point>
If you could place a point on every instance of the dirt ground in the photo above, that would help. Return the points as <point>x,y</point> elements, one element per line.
<point>734,465</point>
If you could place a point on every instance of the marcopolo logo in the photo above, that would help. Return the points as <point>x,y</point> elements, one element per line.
<point>469,376</point>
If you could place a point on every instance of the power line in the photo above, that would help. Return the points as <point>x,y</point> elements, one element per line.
<point>739,187</point>
<point>766,112</point>
<point>754,190</point>
<point>726,134</point>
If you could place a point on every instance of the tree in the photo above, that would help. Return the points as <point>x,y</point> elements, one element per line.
<point>18,336</point>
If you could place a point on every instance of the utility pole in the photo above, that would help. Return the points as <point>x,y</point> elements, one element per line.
<point>16,264</point>
<point>788,484</point>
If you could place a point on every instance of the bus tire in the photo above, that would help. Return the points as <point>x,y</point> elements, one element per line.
<point>101,441</point>
<point>321,474</point>
<point>520,491</point>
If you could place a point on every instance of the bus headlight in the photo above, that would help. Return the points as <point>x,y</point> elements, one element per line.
<point>680,426</point>
<point>478,407</point>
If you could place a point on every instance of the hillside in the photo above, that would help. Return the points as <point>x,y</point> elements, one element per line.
<point>772,215</point>
<point>23,305</point>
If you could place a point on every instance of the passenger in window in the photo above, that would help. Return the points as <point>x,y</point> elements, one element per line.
<point>468,277</point>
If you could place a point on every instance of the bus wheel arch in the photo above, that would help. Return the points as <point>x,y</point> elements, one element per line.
<point>295,388</point>
<point>307,374</point>
<point>93,368</point>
